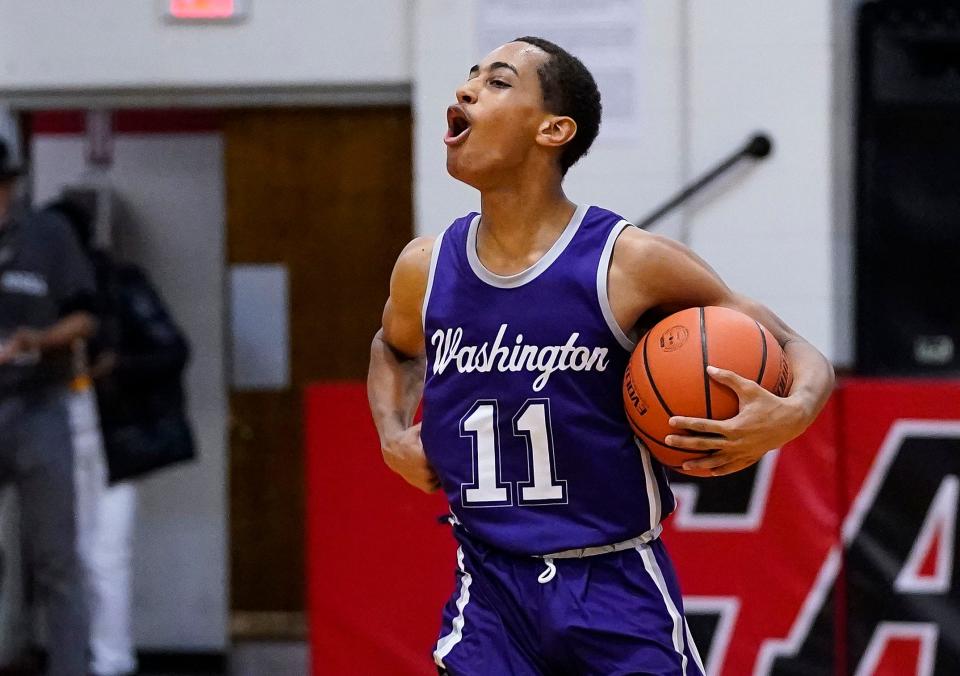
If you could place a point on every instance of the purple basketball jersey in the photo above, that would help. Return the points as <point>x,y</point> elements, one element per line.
<point>522,412</point>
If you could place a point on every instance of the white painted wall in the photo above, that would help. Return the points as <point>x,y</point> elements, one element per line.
<point>173,185</point>
<point>626,175</point>
<point>843,141</point>
<point>712,73</point>
<point>118,43</point>
<point>756,64</point>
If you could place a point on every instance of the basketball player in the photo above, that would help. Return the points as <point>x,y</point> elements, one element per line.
<point>515,326</point>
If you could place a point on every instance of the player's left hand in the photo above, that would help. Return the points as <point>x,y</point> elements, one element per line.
<point>765,422</point>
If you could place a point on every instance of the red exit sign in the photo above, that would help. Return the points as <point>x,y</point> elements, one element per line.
<point>206,10</point>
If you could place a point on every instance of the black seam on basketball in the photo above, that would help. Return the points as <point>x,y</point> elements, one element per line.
<point>706,376</point>
<point>678,450</point>
<point>640,432</point>
<point>763,343</point>
<point>646,367</point>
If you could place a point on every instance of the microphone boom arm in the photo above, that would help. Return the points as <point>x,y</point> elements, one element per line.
<point>758,148</point>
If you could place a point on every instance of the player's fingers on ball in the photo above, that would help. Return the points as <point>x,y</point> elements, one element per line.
<point>714,461</point>
<point>733,380</point>
<point>731,467</point>
<point>695,442</point>
<point>699,425</point>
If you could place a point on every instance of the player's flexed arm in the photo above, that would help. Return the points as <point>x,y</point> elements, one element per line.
<point>397,362</point>
<point>647,272</point>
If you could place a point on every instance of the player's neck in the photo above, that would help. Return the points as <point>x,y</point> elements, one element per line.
<point>518,221</point>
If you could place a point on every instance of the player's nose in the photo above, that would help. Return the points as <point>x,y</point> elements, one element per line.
<point>465,93</point>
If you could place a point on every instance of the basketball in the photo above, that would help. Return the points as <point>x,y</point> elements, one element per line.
<point>667,374</point>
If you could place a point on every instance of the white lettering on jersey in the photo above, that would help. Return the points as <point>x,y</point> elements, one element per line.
<point>486,357</point>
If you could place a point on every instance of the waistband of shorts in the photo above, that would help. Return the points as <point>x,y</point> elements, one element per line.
<point>582,552</point>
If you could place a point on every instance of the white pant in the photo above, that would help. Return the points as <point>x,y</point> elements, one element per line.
<point>105,520</point>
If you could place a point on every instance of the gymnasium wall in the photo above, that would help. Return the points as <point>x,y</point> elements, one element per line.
<point>755,64</point>
<point>709,75</point>
<point>118,43</point>
<point>628,173</point>
<point>174,185</point>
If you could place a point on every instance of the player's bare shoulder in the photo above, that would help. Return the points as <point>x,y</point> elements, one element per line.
<point>637,250</point>
<point>652,271</point>
<point>635,267</point>
<point>408,283</point>
<point>402,319</point>
<point>416,254</point>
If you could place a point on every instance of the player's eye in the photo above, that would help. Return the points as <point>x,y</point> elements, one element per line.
<point>499,83</point>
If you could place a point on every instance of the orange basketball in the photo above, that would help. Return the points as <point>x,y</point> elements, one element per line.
<point>667,374</point>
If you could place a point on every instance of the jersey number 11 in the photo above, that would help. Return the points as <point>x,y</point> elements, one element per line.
<point>532,424</point>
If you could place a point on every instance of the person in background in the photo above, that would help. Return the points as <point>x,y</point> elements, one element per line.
<point>46,287</point>
<point>135,363</point>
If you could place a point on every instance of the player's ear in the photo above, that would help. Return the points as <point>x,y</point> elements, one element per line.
<point>555,130</point>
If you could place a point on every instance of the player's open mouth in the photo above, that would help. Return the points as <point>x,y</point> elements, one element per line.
<point>458,126</point>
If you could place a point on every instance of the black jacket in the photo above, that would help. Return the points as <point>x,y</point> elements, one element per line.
<point>145,387</point>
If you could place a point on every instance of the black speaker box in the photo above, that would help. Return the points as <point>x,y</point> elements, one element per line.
<point>908,189</point>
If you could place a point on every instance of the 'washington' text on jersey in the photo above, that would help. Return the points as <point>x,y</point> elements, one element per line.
<point>485,357</point>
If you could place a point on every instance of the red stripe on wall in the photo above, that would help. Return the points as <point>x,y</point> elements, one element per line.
<point>171,121</point>
<point>58,122</point>
<point>156,121</point>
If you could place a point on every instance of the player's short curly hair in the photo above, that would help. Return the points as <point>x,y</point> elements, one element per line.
<point>569,89</point>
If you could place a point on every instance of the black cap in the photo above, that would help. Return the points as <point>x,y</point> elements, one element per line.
<point>8,170</point>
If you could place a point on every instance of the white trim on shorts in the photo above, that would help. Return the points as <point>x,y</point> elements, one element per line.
<point>653,569</point>
<point>653,489</point>
<point>582,552</point>
<point>446,643</point>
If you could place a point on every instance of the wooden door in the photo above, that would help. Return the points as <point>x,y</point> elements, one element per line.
<point>327,193</point>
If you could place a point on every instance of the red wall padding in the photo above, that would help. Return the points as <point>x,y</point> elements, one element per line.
<point>880,419</point>
<point>767,567</point>
<point>380,566</point>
